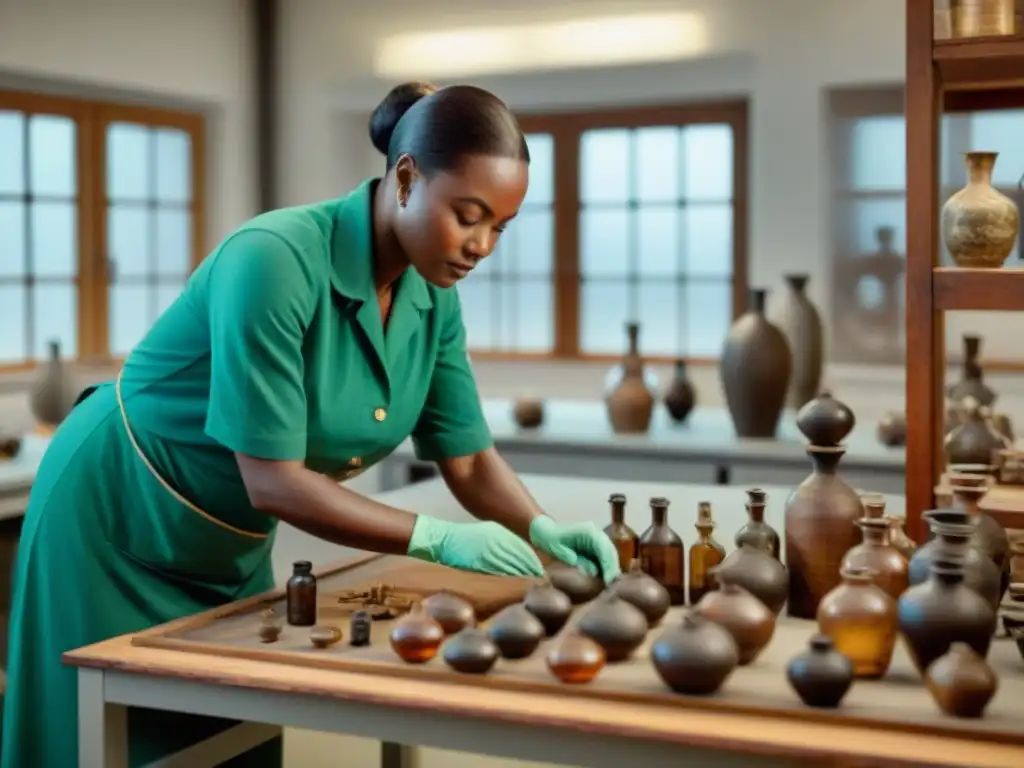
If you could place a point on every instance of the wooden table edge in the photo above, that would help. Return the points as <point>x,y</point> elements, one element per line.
<point>730,732</point>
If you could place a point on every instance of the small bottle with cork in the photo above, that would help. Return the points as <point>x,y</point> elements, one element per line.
<point>662,556</point>
<point>300,595</point>
<point>623,537</point>
<point>705,554</point>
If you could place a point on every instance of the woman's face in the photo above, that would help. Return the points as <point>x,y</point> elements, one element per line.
<point>451,222</point>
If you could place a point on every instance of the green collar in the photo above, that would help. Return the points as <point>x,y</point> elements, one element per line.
<point>352,253</point>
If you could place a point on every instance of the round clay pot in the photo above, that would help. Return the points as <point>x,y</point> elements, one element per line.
<point>636,587</point>
<point>973,440</point>
<point>892,429</point>
<point>821,675</point>
<point>980,223</point>
<point>528,412</point>
<point>579,585</point>
<point>747,619</point>
<point>825,421</point>
<point>617,626</point>
<point>550,605</point>
<point>470,651</point>
<point>759,573</point>
<point>695,656</point>
<point>449,610</point>
<point>961,683</point>
<point>516,631</point>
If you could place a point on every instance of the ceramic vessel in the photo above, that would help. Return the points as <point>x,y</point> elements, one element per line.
<point>971,383</point>
<point>624,538</point>
<point>899,539</point>
<point>631,403</point>
<point>825,421</point>
<point>759,573</point>
<point>747,619</point>
<point>961,683</point>
<point>876,554</point>
<point>416,637</point>
<point>942,611</point>
<point>973,440</point>
<point>990,537</point>
<point>980,223</point>
<point>756,532</point>
<point>579,585</point>
<point>615,624</point>
<point>516,631</point>
<point>820,675</point>
<point>820,529</point>
<point>695,656</point>
<point>756,367</point>
<point>470,651</point>
<point>449,610</point>
<point>637,588</point>
<point>662,555</point>
<point>705,555</point>
<point>576,659</point>
<point>891,429</point>
<point>953,533</point>
<point>800,323</point>
<point>323,636</point>
<point>528,412</point>
<point>862,621</point>
<point>681,396</point>
<point>54,392</point>
<point>550,605</point>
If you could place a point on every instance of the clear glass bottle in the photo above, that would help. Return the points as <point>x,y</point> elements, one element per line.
<point>662,554</point>
<point>301,595</point>
<point>623,537</point>
<point>756,532</point>
<point>705,554</point>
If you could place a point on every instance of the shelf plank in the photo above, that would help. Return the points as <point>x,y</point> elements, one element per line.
<point>980,63</point>
<point>956,288</point>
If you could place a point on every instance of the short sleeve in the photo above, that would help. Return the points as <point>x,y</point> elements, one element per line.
<point>452,423</point>
<point>260,298</point>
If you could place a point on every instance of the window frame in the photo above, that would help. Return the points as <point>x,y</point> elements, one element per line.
<point>566,129</point>
<point>92,118</point>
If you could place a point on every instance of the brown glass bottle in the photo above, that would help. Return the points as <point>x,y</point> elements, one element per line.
<point>662,553</point>
<point>705,554</point>
<point>756,531</point>
<point>301,595</point>
<point>862,620</point>
<point>623,537</point>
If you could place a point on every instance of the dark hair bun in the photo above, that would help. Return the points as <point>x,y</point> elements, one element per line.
<point>387,114</point>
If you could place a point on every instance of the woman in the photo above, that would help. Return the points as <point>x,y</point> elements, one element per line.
<point>311,343</point>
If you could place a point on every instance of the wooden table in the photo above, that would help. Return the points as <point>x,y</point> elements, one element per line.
<point>114,675</point>
<point>576,440</point>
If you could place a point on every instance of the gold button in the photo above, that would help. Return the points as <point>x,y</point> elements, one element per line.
<point>356,462</point>
<point>380,414</point>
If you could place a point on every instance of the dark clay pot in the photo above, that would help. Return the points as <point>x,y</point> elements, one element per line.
<point>747,619</point>
<point>755,368</point>
<point>449,610</point>
<point>821,675</point>
<point>681,396</point>
<point>528,412</point>
<point>800,323</point>
<point>973,440</point>
<point>952,534</point>
<point>516,631</point>
<point>579,585</point>
<point>759,573</point>
<point>825,421</point>
<point>695,656</point>
<point>470,651</point>
<point>961,683</point>
<point>550,605</point>
<point>636,587</point>
<point>617,626</point>
<point>971,382</point>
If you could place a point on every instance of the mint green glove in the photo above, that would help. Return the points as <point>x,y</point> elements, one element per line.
<point>485,547</point>
<point>583,545</point>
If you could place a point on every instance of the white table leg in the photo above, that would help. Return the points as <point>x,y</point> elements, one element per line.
<point>102,727</point>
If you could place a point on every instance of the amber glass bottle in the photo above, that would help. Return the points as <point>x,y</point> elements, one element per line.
<point>756,531</point>
<point>705,554</point>
<point>862,620</point>
<point>623,537</point>
<point>301,595</point>
<point>662,553</point>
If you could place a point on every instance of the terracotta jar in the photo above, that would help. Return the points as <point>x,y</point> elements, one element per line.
<point>820,675</point>
<point>825,421</point>
<point>695,657</point>
<point>942,611</point>
<point>820,529</point>
<point>626,542</point>
<point>862,621</point>
<point>756,531</point>
<point>887,566</point>
<point>980,223</point>
<point>759,573</point>
<point>971,382</point>
<point>681,396</point>
<point>755,366</point>
<point>528,412</point>
<point>961,683</point>
<point>705,555</point>
<point>631,403</point>
<point>953,533</point>
<point>972,441</point>
<point>661,552</point>
<point>799,320</point>
<point>748,620</point>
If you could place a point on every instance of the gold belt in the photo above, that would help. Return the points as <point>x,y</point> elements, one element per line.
<point>152,470</point>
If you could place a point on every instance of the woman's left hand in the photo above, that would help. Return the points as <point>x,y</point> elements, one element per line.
<point>583,545</point>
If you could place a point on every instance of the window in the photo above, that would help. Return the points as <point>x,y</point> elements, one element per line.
<point>631,215</point>
<point>869,216</point>
<point>100,222</point>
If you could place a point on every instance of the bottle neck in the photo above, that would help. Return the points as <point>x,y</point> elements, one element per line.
<point>756,512</point>
<point>618,513</point>
<point>659,514</point>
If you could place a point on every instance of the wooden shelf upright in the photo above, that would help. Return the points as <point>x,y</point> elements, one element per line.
<point>957,74</point>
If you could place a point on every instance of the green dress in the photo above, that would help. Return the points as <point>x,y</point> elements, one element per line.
<point>274,349</point>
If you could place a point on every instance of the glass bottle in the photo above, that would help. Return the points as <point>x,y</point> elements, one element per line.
<point>862,621</point>
<point>301,595</point>
<point>705,554</point>
<point>756,531</point>
<point>661,552</point>
<point>898,537</point>
<point>877,554</point>
<point>874,505</point>
<point>623,537</point>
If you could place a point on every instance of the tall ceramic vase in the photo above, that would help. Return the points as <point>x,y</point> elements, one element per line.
<point>980,223</point>
<point>54,393</point>
<point>800,323</point>
<point>631,403</point>
<point>755,368</point>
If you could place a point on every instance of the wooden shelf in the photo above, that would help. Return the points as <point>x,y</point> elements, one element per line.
<point>985,63</point>
<point>956,288</point>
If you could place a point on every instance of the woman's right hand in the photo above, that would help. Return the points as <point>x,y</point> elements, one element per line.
<point>486,547</point>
